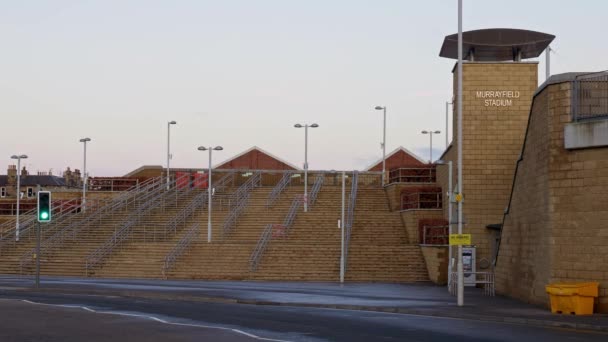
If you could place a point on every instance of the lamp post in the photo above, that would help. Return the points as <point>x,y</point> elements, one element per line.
<point>314,125</point>
<point>459,109</point>
<point>449,193</point>
<point>84,174</point>
<point>169,149</point>
<point>18,157</point>
<point>383,142</point>
<point>447,110</point>
<point>210,149</point>
<point>431,148</point>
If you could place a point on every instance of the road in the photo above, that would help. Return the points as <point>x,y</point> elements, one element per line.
<point>113,318</point>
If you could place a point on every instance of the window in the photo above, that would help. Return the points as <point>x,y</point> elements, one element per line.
<point>30,192</point>
<point>2,192</point>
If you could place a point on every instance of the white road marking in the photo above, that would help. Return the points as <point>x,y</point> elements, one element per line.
<point>157,320</point>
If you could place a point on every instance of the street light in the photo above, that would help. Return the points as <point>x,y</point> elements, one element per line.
<point>383,142</point>
<point>210,149</point>
<point>168,148</point>
<point>84,174</point>
<point>431,148</point>
<point>18,157</point>
<point>459,109</point>
<point>449,195</point>
<point>314,125</point>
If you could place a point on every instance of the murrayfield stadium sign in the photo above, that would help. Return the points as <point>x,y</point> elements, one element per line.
<point>498,98</point>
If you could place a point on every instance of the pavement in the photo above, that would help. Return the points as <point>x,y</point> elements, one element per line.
<point>413,299</point>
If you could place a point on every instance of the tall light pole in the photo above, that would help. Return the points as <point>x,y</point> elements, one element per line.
<point>18,157</point>
<point>383,142</point>
<point>431,148</point>
<point>447,111</point>
<point>449,194</point>
<point>84,173</point>
<point>459,105</point>
<point>169,149</point>
<point>210,149</point>
<point>314,125</point>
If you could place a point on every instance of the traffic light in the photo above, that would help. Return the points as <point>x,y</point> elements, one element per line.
<point>44,206</point>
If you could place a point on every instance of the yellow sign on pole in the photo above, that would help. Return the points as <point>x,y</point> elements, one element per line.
<point>458,198</point>
<point>460,239</point>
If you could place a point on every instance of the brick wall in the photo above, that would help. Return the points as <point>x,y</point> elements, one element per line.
<point>436,259</point>
<point>492,141</point>
<point>411,218</point>
<point>557,227</point>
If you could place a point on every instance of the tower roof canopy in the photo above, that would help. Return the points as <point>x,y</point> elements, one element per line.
<point>496,44</point>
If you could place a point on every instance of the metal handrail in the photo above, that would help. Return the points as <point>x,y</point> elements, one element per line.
<point>124,232</point>
<point>180,218</point>
<point>278,189</point>
<point>82,222</point>
<point>435,200</point>
<point>413,175</point>
<point>315,190</point>
<point>350,216</point>
<point>191,235</point>
<point>241,197</point>
<point>433,239</point>
<point>260,248</point>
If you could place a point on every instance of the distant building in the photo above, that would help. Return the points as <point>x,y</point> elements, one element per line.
<point>256,159</point>
<point>30,183</point>
<point>400,157</point>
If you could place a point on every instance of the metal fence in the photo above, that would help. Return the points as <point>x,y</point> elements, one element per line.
<point>485,279</point>
<point>435,235</point>
<point>421,200</point>
<point>413,175</point>
<point>590,96</point>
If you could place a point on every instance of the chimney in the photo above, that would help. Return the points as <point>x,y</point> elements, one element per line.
<point>12,175</point>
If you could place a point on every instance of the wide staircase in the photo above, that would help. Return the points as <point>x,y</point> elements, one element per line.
<point>227,257</point>
<point>379,249</point>
<point>311,251</point>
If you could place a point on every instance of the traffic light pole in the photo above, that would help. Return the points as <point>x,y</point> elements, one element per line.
<point>38,256</point>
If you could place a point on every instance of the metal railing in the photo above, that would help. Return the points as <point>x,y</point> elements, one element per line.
<point>435,235</point>
<point>61,213</point>
<point>150,201</point>
<point>278,189</point>
<point>182,245</point>
<point>260,248</point>
<point>170,227</point>
<point>267,234</point>
<point>111,183</point>
<point>421,200</point>
<point>350,215</point>
<point>315,190</point>
<point>241,197</point>
<point>89,218</point>
<point>590,96</point>
<point>485,279</point>
<point>413,175</point>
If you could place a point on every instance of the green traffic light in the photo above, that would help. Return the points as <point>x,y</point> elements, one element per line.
<point>44,215</point>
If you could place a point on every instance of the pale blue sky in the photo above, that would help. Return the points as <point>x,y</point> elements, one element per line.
<point>241,73</point>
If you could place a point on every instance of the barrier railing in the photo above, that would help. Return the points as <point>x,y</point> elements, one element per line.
<point>87,219</point>
<point>485,279</point>
<point>182,245</point>
<point>241,197</point>
<point>590,96</point>
<point>350,216</point>
<point>150,201</point>
<point>421,200</point>
<point>178,220</point>
<point>435,235</point>
<point>413,175</point>
<point>278,189</point>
